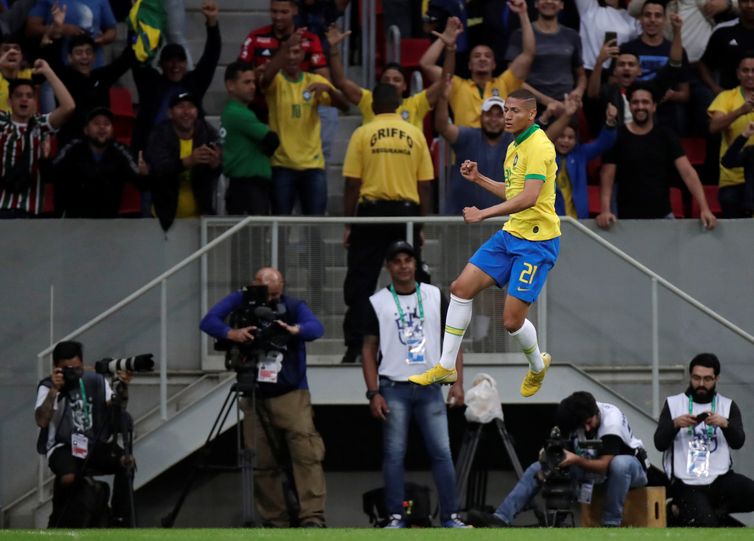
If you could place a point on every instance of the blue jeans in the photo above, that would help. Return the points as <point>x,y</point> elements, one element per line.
<point>426,405</point>
<point>624,472</point>
<point>308,185</point>
<point>328,118</point>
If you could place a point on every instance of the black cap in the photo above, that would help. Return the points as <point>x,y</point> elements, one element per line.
<point>171,51</point>
<point>97,111</point>
<point>399,247</point>
<point>183,96</point>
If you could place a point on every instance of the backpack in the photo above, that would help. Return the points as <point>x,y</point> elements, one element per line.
<point>417,509</point>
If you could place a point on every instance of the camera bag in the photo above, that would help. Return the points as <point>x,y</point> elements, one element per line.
<point>417,510</point>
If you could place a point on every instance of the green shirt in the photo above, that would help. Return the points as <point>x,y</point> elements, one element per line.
<point>240,135</point>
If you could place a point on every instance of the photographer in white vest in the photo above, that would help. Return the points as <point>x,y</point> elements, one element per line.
<point>696,431</point>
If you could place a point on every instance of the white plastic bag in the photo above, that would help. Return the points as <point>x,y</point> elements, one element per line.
<point>482,400</point>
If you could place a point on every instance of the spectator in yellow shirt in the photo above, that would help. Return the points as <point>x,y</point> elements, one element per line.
<point>412,109</point>
<point>11,67</point>
<point>467,95</point>
<point>298,165</point>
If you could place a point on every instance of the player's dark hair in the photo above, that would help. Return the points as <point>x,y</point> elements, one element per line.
<point>574,410</point>
<point>14,38</point>
<point>13,84</point>
<point>394,66</point>
<point>523,95</point>
<point>78,41</point>
<point>746,55</point>
<point>385,98</point>
<point>642,85</point>
<point>235,69</point>
<point>67,350</point>
<point>661,3</point>
<point>707,360</point>
<point>622,51</point>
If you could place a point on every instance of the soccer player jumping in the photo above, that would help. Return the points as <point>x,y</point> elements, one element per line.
<point>520,255</point>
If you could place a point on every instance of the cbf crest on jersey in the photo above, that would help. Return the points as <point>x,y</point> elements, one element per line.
<point>495,92</point>
<point>307,95</point>
<point>404,115</point>
<point>515,160</point>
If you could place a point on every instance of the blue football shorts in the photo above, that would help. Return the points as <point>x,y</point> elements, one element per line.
<point>520,263</point>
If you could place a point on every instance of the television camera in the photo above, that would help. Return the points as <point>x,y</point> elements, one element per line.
<point>269,342</point>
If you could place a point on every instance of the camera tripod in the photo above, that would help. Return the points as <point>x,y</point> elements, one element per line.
<point>245,457</point>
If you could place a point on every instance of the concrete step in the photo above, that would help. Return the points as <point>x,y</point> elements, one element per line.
<point>234,26</point>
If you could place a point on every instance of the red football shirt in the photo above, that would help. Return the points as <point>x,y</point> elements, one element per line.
<point>259,46</point>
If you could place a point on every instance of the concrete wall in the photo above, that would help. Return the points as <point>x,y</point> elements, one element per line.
<point>599,310</point>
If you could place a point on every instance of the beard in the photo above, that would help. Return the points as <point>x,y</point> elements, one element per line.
<point>96,143</point>
<point>493,135</point>
<point>701,395</point>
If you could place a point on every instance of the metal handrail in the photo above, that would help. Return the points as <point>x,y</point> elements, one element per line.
<point>656,280</point>
<point>276,221</point>
<point>393,45</point>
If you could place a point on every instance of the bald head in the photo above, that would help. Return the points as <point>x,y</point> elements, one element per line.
<point>273,279</point>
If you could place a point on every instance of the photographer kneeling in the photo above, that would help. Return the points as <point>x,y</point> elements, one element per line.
<point>73,412</point>
<point>283,402</point>
<point>619,464</point>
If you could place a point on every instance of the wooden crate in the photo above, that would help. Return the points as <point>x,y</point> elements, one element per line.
<point>644,508</point>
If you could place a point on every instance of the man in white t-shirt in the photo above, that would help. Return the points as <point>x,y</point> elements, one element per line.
<point>403,332</point>
<point>620,464</point>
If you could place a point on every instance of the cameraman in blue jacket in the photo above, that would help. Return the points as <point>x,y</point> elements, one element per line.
<point>283,405</point>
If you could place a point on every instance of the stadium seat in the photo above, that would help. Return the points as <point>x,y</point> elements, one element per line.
<point>676,202</point>
<point>710,192</point>
<point>121,104</point>
<point>130,202</point>
<point>594,200</point>
<point>695,149</point>
<point>412,50</point>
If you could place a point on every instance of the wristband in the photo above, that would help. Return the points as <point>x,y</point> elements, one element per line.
<point>371,394</point>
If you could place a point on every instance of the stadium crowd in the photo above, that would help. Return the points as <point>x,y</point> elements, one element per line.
<point>694,62</point>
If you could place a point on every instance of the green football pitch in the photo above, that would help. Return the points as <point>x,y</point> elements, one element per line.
<point>365,534</point>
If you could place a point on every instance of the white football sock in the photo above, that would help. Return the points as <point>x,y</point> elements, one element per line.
<point>526,337</point>
<point>456,322</point>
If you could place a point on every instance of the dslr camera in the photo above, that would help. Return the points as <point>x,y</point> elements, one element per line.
<point>269,337</point>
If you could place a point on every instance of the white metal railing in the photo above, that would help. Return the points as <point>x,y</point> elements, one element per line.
<point>655,280</point>
<point>275,222</point>
<point>393,45</point>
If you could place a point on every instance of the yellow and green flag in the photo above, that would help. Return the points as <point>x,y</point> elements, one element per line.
<point>147,19</point>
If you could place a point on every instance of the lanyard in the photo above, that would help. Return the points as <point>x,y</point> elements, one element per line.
<point>710,428</point>
<point>401,313</point>
<point>87,412</point>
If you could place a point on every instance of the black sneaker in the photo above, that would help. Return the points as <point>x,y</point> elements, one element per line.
<point>480,519</point>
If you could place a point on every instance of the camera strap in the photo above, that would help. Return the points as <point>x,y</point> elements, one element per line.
<point>85,404</point>
<point>710,428</point>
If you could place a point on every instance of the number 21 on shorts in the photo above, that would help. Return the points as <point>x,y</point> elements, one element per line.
<point>527,275</point>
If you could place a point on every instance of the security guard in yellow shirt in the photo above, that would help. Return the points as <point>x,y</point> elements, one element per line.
<point>388,171</point>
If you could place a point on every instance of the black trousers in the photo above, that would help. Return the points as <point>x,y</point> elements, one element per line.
<point>366,257</point>
<point>701,505</point>
<point>105,458</point>
<point>248,196</point>
<point>737,201</point>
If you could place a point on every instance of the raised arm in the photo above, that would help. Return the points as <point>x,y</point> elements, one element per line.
<point>470,172</point>
<point>734,157</point>
<point>555,129</point>
<point>66,105</point>
<point>446,41</point>
<point>609,49</point>
<point>521,65</point>
<point>442,119</point>
<point>278,59</point>
<point>350,90</point>
<point>453,29</point>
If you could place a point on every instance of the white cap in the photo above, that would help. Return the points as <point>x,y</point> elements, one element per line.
<point>489,103</point>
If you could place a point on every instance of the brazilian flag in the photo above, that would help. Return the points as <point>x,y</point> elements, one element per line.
<point>147,20</point>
